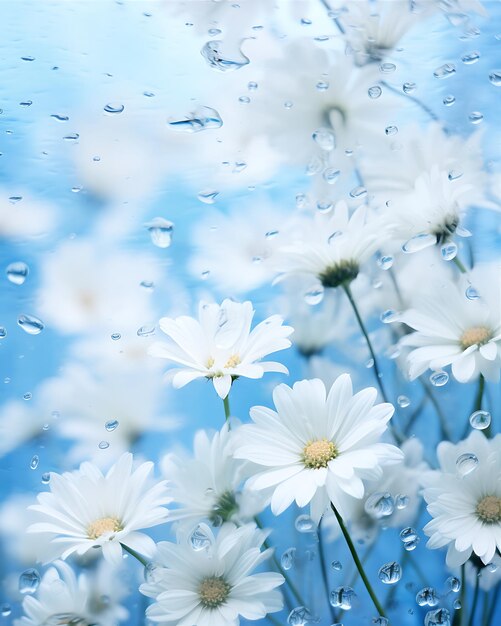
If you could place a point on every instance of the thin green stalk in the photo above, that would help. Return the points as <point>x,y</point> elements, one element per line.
<point>416,101</point>
<point>227,411</point>
<point>273,620</point>
<point>475,600</point>
<point>358,563</point>
<point>323,567</point>
<point>460,266</point>
<point>353,579</point>
<point>445,432</point>
<point>279,567</point>
<point>135,554</point>
<point>349,295</point>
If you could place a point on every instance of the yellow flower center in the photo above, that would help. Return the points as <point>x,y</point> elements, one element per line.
<point>489,510</point>
<point>213,591</point>
<point>102,526</point>
<point>233,361</point>
<point>210,362</point>
<point>477,335</point>
<point>317,454</point>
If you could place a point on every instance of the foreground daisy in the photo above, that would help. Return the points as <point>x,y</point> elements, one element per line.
<point>316,449</point>
<point>86,510</point>
<point>208,580</point>
<point>221,346</point>
<point>464,499</point>
<point>452,329</point>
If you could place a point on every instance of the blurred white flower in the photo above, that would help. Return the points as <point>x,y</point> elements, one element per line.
<point>207,580</point>
<point>85,510</point>
<point>85,288</point>
<point>24,218</point>
<point>64,598</point>
<point>221,346</point>
<point>488,576</point>
<point>456,327</point>
<point>315,449</point>
<point>464,499</point>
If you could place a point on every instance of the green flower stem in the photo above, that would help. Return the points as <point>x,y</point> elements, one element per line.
<point>227,411</point>
<point>354,577</point>
<point>273,620</point>
<point>416,101</point>
<point>475,600</point>
<point>279,567</point>
<point>135,554</point>
<point>349,295</point>
<point>460,266</point>
<point>358,563</point>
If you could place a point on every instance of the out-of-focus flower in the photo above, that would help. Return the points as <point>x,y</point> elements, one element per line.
<point>315,449</point>
<point>24,218</point>
<point>221,346</point>
<point>62,598</point>
<point>86,509</point>
<point>464,499</point>
<point>208,580</point>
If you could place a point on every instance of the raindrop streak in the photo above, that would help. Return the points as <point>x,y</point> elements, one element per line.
<point>427,597</point>
<point>204,118</point>
<point>379,505</point>
<point>445,71</point>
<point>288,558</point>
<point>342,597</point>
<point>390,573</point>
<point>29,581</point>
<point>111,425</point>
<point>480,420</point>
<point>439,379</point>
<point>17,272</point>
<point>114,108</point>
<point>466,463</point>
<point>219,59</point>
<point>30,324</point>
<point>160,231</point>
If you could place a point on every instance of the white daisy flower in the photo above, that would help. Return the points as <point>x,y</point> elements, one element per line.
<point>86,509</point>
<point>332,247</point>
<point>452,329</point>
<point>464,499</point>
<point>315,449</point>
<point>221,346</point>
<point>62,598</point>
<point>209,485</point>
<point>208,580</point>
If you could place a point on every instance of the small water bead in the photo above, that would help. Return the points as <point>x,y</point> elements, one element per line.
<point>480,420</point>
<point>385,262</point>
<point>466,463</point>
<point>491,567</point>
<point>304,524</point>
<point>439,378</point>
<point>342,597</point>
<point>470,58</point>
<point>115,336</point>
<point>439,617</point>
<point>103,445</point>
<point>5,610</point>
<point>300,616</point>
<point>220,58</point>
<point>145,331</point>
<point>369,364</point>
<point>45,478</point>
<point>314,295</point>
<point>244,99</point>
<point>375,92</point>
<point>456,605</point>
<point>337,566</point>
<point>387,68</point>
<point>288,104</point>
<point>401,501</point>
<point>322,85</point>
<point>72,137</point>
<point>208,197</point>
<point>26,103</point>
<point>454,175</point>
<point>391,130</point>
<point>111,425</point>
<point>30,324</point>
<point>288,559</point>
<point>200,539</point>
<point>325,139</point>
<point>252,86</point>
<point>449,100</point>
<point>315,166</point>
<point>449,251</point>
<point>427,596</point>
<point>3,332</point>
<point>29,581</point>
<point>445,71</point>
<point>408,87</point>
<point>27,396</point>
<point>331,175</point>
<point>389,316</point>
<point>403,402</point>
<point>34,462</point>
<point>148,285</point>
<point>379,505</point>
<point>495,78</point>
<point>161,231</point>
<point>358,192</point>
<point>204,118</point>
<point>380,621</point>
<point>454,584</point>
<point>471,293</point>
<point>324,207</point>
<point>333,236</point>
<point>17,272</point>
<point>390,573</point>
<point>475,117</point>
<point>409,538</point>
<point>114,108</point>
<point>419,242</point>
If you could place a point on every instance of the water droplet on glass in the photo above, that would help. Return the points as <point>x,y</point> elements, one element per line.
<point>439,617</point>
<point>449,251</point>
<point>337,566</point>
<point>288,558</point>
<point>5,610</point>
<point>390,573</point>
<point>379,505</point>
<point>111,425</point>
<point>17,272</point>
<point>244,99</point>
<point>491,567</point>
<point>419,242</point>
<point>304,524</point>
<point>208,197</point>
<point>314,295</point>
<point>45,478</point>
<point>389,316</point>
<point>454,584</point>
<point>153,572</point>
<point>391,130</point>
<point>470,58</point>
<point>30,324</point>
<point>466,463</point>
<point>375,92</point>
<point>454,175</point>
<point>199,539</point>
<point>203,118</point>
<point>495,78</point>
<point>160,231</point>
<point>322,85</point>
<point>471,293</point>
<point>300,616</point>
<point>401,501</point>
<point>113,108</point>
<point>147,284</point>
<point>480,420</point>
<point>252,86</point>
<point>325,138</point>
<point>403,401</point>
<point>27,396</point>
<point>445,71</point>
<point>331,175</point>
<point>439,378</point>
<point>380,621</point>
<point>116,336</point>
<point>103,445</point>
<point>449,100</point>
<point>145,331</point>
<point>409,538</point>
<point>456,605</point>
<point>387,68</point>
<point>358,192</point>
<point>301,201</point>
<point>29,581</point>
<point>408,87</point>
<point>475,117</point>
<point>34,462</point>
<point>427,597</point>
<point>342,597</point>
<point>220,57</point>
<point>60,118</point>
<point>3,332</point>
<point>385,262</point>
